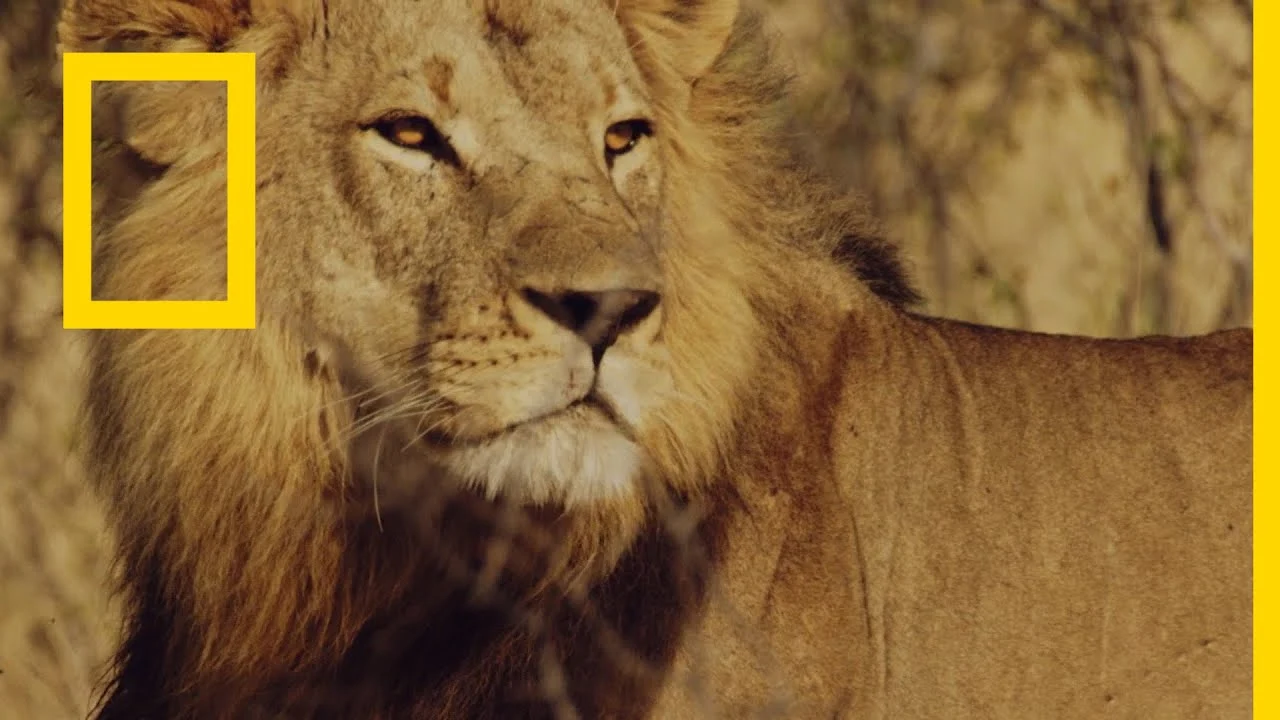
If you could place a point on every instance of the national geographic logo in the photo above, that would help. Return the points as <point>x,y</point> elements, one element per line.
<point>80,310</point>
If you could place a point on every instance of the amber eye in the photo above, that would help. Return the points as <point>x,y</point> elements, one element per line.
<point>622,137</point>
<point>408,132</point>
<point>414,132</point>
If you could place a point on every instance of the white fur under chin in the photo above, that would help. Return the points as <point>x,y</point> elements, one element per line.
<point>572,459</point>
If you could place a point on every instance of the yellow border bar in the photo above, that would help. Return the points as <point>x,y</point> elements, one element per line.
<point>1265,450</point>
<point>80,310</point>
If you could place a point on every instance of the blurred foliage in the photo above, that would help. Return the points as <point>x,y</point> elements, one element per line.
<point>920,103</point>
<point>55,626</point>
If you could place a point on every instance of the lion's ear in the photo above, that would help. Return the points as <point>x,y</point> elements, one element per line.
<point>162,121</point>
<point>208,25</point>
<point>684,35</point>
<point>96,25</point>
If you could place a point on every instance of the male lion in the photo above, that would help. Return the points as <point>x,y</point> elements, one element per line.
<point>572,395</point>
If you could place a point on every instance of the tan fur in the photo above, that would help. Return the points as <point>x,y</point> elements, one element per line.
<point>786,491</point>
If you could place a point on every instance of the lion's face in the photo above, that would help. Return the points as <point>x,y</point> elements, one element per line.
<point>463,200</point>
<point>493,244</point>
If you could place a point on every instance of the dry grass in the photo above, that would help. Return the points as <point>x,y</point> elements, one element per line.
<point>1045,225</point>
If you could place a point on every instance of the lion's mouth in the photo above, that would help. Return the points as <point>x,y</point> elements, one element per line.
<point>602,405</point>
<point>591,409</point>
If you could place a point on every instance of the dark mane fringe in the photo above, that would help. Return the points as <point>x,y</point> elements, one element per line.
<point>748,101</point>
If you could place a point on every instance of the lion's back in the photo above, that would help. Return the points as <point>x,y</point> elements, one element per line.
<point>1060,522</point>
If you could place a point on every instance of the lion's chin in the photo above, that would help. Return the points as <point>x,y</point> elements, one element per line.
<point>577,456</point>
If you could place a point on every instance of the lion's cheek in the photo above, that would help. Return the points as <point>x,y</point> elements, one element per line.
<point>491,394</point>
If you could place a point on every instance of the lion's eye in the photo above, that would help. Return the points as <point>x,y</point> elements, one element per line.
<point>622,137</point>
<point>414,132</point>
<point>408,132</point>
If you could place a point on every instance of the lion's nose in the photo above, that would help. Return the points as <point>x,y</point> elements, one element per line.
<point>597,317</point>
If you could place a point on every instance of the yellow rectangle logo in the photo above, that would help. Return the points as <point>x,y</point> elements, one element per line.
<point>80,310</point>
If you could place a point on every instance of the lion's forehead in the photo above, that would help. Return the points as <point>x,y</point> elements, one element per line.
<point>552,57</point>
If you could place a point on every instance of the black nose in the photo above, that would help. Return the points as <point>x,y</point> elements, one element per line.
<point>597,317</point>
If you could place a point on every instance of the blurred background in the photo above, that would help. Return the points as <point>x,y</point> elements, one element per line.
<point>1074,166</point>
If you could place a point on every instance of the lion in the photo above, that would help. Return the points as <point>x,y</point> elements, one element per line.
<point>574,393</point>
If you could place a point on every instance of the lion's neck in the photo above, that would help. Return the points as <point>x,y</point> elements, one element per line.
<point>455,657</point>
<point>791,549</point>
<point>436,652</point>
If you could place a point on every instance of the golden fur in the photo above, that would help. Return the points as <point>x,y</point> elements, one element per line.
<point>425,486</point>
